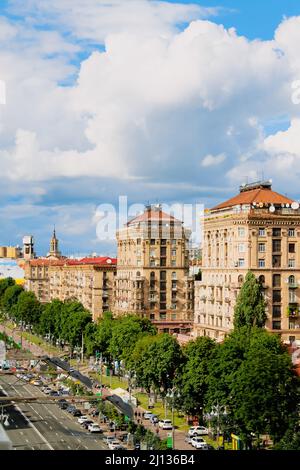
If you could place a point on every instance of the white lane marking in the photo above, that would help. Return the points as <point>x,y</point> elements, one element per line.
<point>56,433</point>
<point>32,448</point>
<point>69,447</point>
<point>27,440</point>
<point>21,432</point>
<point>51,427</point>
<point>29,422</point>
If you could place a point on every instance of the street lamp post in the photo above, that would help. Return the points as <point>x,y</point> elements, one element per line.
<point>172,394</point>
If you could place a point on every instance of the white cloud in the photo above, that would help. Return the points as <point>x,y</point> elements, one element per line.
<point>213,160</point>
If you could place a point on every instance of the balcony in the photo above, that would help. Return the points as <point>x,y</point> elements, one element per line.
<point>293,310</point>
<point>293,285</point>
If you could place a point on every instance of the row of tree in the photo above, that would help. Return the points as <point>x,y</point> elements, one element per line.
<point>246,383</point>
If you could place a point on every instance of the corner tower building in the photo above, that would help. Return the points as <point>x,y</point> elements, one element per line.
<point>258,230</point>
<point>153,271</point>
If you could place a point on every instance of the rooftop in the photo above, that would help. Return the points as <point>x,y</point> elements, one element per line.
<point>94,261</point>
<point>153,213</point>
<point>257,194</point>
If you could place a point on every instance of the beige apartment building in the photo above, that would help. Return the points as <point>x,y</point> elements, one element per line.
<point>256,230</point>
<point>11,252</point>
<point>153,271</point>
<point>89,280</point>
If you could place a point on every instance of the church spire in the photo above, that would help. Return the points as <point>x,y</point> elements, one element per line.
<point>54,250</point>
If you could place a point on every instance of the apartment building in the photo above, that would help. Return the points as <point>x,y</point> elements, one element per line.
<point>153,271</point>
<point>256,230</point>
<point>88,280</point>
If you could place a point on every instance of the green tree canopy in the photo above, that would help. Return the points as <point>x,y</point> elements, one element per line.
<point>4,284</point>
<point>28,308</point>
<point>193,379</point>
<point>250,308</point>
<point>75,318</point>
<point>103,333</point>
<point>10,298</point>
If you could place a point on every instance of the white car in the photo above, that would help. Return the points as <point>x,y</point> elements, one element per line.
<point>83,418</point>
<point>148,414</point>
<point>37,383</point>
<point>198,431</point>
<point>165,424</point>
<point>114,445</point>
<point>198,442</point>
<point>94,427</point>
<point>109,439</point>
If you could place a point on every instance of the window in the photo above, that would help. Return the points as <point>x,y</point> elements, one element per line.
<point>173,306</point>
<point>152,316</point>
<point>276,244</point>
<point>152,263</point>
<point>174,275</point>
<point>163,307</point>
<point>163,297</point>
<point>291,232</point>
<point>241,247</point>
<point>292,263</point>
<point>276,261</point>
<point>261,263</point>
<point>173,252</point>
<point>276,311</point>
<point>276,325</point>
<point>241,231</point>
<point>276,296</point>
<point>262,280</point>
<point>138,241</point>
<point>276,280</point>
<point>173,316</point>
<point>276,232</point>
<point>240,279</point>
<point>241,262</point>
<point>163,275</point>
<point>292,248</point>
<point>163,251</point>
<point>163,262</point>
<point>292,296</point>
<point>162,316</point>
<point>163,241</point>
<point>152,241</point>
<point>174,241</point>
<point>173,263</point>
<point>262,232</point>
<point>262,247</point>
<point>163,285</point>
<point>152,252</point>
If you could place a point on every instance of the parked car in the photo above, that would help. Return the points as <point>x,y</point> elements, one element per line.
<point>154,419</point>
<point>54,393</point>
<point>63,404</point>
<point>86,424</point>
<point>94,427</point>
<point>109,439</point>
<point>148,415</point>
<point>83,418</point>
<point>76,412</point>
<point>165,424</point>
<point>207,447</point>
<point>47,390</point>
<point>198,442</point>
<point>113,445</point>
<point>197,431</point>
<point>71,408</point>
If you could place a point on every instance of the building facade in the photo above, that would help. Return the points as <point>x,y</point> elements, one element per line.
<point>89,280</point>
<point>257,230</point>
<point>153,271</point>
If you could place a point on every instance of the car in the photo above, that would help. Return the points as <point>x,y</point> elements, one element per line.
<point>37,383</point>
<point>63,404</point>
<point>109,439</point>
<point>83,418</point>
<point>47,390</point>
<point>114,445</point>
<point>86,424</point>
<point>71,408</point>
<point>207,447</point>
<point>94,427</point>
<point>197,431</point>
<point>154,419</point>
<point>123,437</point>
<point>76,412</point>
<point>54,393</point>
<point>165,424</point>
<point>198,442</point>
<point>148,415</point>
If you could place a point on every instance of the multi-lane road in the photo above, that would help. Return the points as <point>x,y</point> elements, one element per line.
<point>43,426</point>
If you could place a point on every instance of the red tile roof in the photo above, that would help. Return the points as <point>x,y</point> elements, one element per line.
<point>263,195</point>
<point>97,261</point>
<point>153,215</point>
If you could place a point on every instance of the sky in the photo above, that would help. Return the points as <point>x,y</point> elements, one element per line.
<point>159,101</point>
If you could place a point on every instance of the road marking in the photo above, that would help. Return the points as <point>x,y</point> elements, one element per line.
<point>29,422</point>
<point>21,432</point>
<point>27,440</point>
<point>51,427</point>
<point>86,447</point>
<point>69,447</point>
<point>56,433</point>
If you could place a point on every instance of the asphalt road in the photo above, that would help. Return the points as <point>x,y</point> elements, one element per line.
<point>43,426</point>
<point>65,366</point>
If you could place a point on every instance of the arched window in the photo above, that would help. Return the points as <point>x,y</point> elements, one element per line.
<point>240,279</point>
<point>262,279</point>
<point>292,280</point>
<point>152,275</point>
<point>174,275</point>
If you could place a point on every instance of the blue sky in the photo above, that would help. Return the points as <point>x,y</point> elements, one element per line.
<point>153,100</point>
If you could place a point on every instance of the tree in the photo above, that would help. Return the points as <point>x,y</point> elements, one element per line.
<point>75,318</point>
<point>251,376</point>
<point>125,333</point>
<point>250,308</point>
<point>10,298</point>
<point>138,361</point>
<point>50,318</point>
<point>193,379</point>
<point>161,362</point>
<point>4,284</point>
<point>103,333</point>
<point>28,308</point>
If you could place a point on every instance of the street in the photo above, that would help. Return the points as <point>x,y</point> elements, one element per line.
<point>38,426</point>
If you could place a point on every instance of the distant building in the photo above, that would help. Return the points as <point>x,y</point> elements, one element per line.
<point>88,280</point>
<point>54,252</point>
<point>28,247</point>
<point>153,271</point>
<point>256,230</point>
<point>11,252</point>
